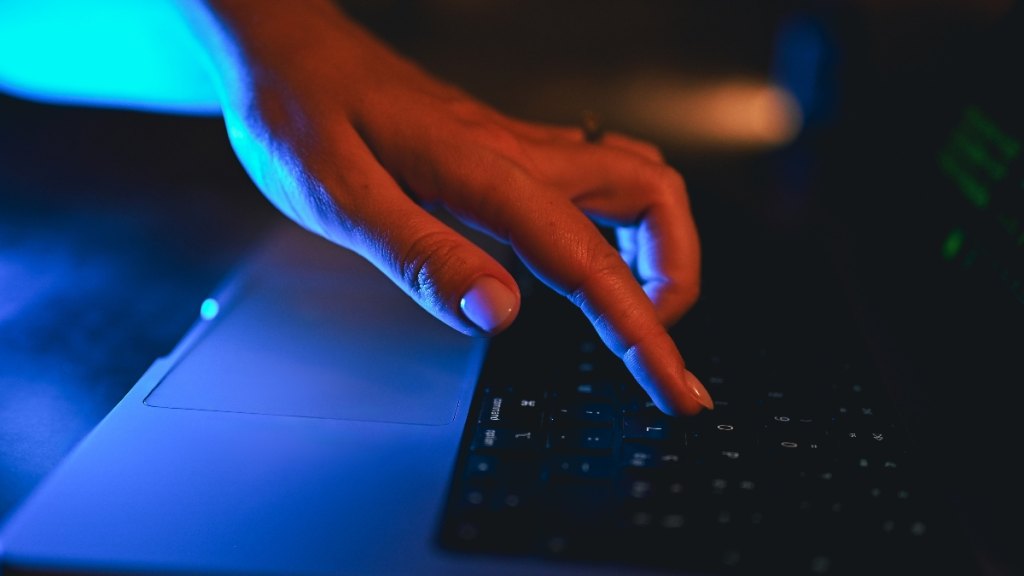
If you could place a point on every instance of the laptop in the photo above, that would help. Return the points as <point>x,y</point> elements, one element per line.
<point>860,336</point>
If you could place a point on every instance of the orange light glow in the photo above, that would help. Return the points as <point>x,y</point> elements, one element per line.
<point>741,113</point>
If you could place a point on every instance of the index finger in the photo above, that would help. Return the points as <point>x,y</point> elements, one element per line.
<point>567,251</point>
<point>648,203</point>
<point>598,281</point>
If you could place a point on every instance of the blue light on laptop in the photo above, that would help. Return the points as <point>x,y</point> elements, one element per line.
<point>209,309</point>
<point>115,53</point>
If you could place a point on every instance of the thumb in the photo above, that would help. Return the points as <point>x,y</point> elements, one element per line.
<point>447,274</point>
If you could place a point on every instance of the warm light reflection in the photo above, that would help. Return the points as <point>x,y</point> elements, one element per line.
<point>738,113</point>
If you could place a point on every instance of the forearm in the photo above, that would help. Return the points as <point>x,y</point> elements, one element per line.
<point>249,42</point>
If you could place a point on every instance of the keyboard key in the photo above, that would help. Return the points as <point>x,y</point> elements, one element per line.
<point>492,439</point>
<point>582,467</point>
<point>584,440</point>
<point>589,389</point>
<point>640,455</point>
<point>583,414</point>
<point>510,410</point>
<point>577,462</point>
<point>649,427</point>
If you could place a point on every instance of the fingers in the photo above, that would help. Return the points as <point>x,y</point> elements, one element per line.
<point>648,203</point>
<point>550,134</point>
<point>331,152</point>
<point>500,181</point>
<point>449,276</point>
<point>540,198</point>
<point>567,251</point>
<point>625,182</point>
<point>621,181</point>
<point>573,257</point>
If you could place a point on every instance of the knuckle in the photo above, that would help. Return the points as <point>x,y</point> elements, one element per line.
<point>499,141</point>
<point>483,132</point>
<point>644,148</point>
<point>425,261</point>
<point>687,295</point>
<point>501,193</point>
<point>600,268</point>
<point>603,263</point>
<point>669,178</point>
<point>652,150</point>
<point>465,109</point>
<point>668,185</point>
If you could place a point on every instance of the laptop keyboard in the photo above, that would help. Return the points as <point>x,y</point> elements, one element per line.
<point>800,469</point>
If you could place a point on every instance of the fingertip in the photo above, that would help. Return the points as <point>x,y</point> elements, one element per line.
<point>685,398</point>
<point>490,305</point>
<point>680,402</point>
<point>659,369</point>
<point>698,391</point>
<point>670,407</point>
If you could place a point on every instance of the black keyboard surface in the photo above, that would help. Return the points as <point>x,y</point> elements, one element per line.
<point>802,468</point>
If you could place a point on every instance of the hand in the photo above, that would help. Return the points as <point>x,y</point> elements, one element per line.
<point>353,142</point>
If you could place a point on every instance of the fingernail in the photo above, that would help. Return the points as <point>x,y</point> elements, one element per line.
<point>488,303</point>
<point>700,393</point>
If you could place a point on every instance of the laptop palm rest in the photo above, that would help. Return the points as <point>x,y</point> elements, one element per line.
<point>308,329</point>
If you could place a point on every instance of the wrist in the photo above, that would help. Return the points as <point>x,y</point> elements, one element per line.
<point>244,39</point>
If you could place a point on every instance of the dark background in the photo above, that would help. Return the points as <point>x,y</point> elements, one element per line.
<point>115,225</point>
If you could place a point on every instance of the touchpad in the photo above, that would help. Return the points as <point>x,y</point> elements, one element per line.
<point>314,331</point>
